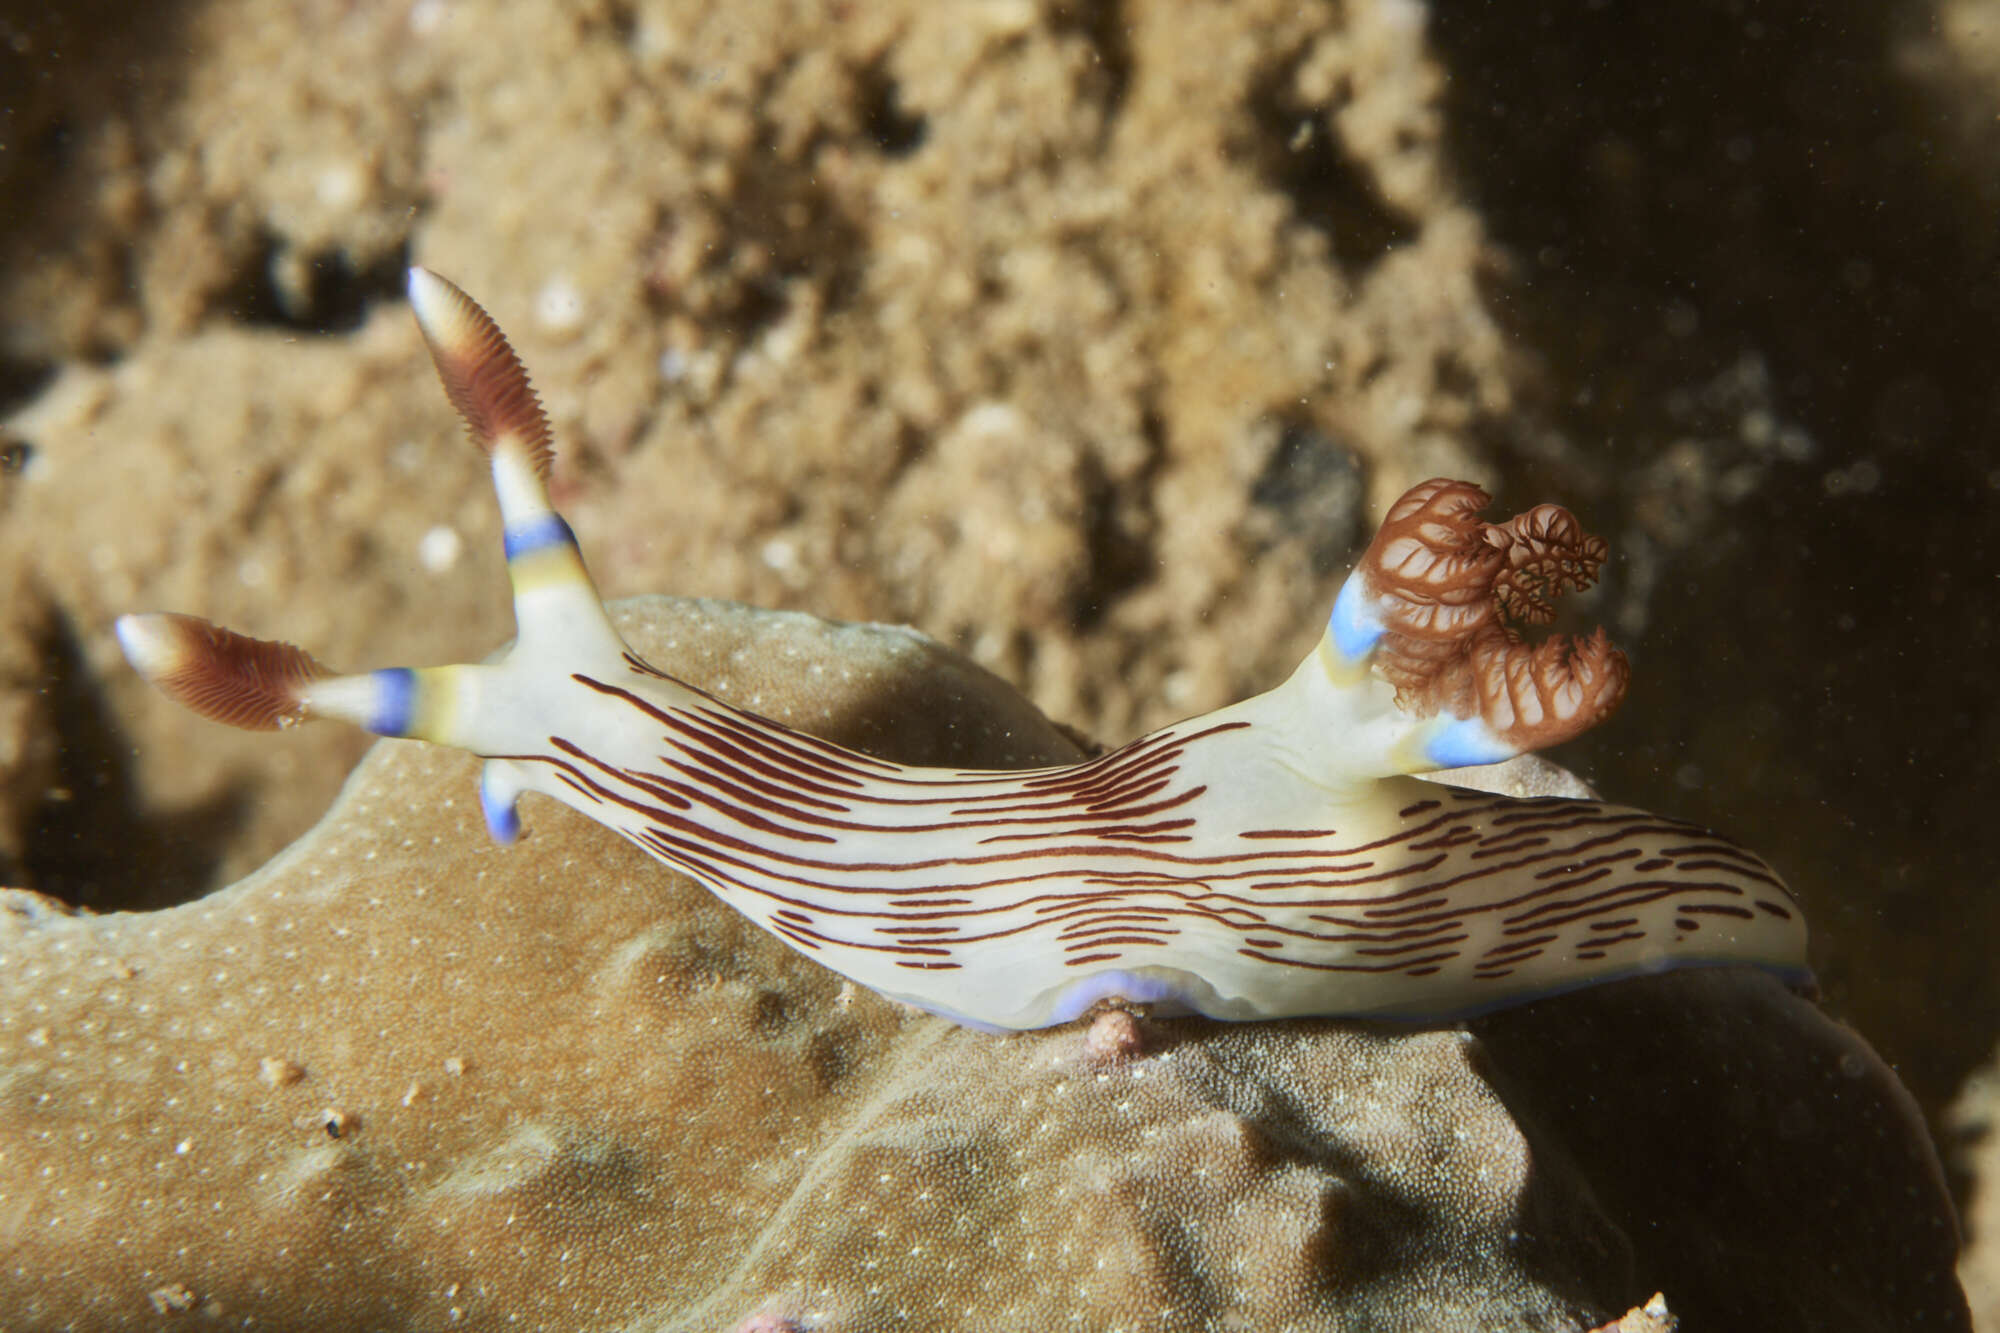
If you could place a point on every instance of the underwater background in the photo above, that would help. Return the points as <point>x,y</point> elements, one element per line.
<point>1089,338</point>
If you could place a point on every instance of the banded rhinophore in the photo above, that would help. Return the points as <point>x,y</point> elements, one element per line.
<point>1273,858</point>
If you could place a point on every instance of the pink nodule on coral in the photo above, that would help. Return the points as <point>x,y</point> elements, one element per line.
<point>770,1323</point>
<point>1114,1037</point>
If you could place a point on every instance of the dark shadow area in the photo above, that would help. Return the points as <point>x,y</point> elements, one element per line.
<point>16,453</point>
<point>312,294</point>
<point>92,843</point>
<point>1394,1223</point>
<point>1103,24</point>
<point>784,227</point>
<point>1692,188</point>
<point>20,381</point>
<point>893,131</point>
<point>1311,489</point>
<point>1120,528</point>
<point>1295,151</point>
<point>68,73</point>
<point>1712,1113</point>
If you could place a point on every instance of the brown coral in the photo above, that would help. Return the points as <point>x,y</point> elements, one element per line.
<point>401,1078</point>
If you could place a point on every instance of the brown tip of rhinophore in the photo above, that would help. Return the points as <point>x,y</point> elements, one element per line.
<point>223,675</point>
<point>1453,593</point>
<point>483,378</point>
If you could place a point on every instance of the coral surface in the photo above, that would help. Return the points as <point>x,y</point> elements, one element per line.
<point>401,1077</point>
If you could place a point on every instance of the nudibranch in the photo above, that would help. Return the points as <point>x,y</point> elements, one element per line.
<point>1270,859</point>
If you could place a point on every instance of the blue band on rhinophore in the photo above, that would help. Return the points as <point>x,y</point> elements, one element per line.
<point>395,699</point>
<point>1466,740</point>
<point>537,534</point>
<point>1354,625</point>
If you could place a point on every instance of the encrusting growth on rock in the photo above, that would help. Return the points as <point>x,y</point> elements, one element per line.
<point>1113,1037</point>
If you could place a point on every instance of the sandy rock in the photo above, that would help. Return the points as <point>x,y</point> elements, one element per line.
<point>401,1078</point>
<point>1973,1119</point>
<point>1652,1317</point>
<point>1028,325</point>
<point>28,764</point>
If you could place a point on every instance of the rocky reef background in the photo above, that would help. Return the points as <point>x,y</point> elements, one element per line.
<point>1081,336</point>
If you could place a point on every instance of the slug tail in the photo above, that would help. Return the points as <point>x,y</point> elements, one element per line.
<point>556,605</point>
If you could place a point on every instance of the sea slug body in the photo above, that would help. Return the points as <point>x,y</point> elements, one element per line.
<point>1273,858</point>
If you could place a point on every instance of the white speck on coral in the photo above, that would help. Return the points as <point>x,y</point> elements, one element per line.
<point>1409,15</point>
<point>339,186</point>
<point>781,554</point>
<point>559,305</point>
<point>439,549</point>
<point>781,344</point>
<point>427,16</point>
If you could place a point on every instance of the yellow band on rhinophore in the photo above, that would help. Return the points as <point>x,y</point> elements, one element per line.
<point>1342,670</point>
<point>556,566</point>
<point>435,704</point>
